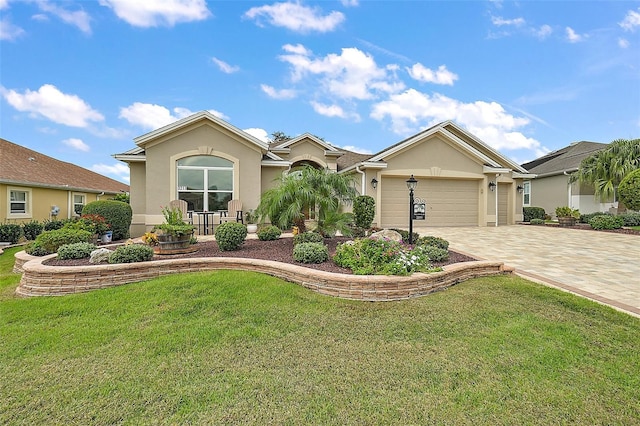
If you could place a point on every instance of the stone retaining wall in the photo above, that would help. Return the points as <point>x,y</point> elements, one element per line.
<point>41,280</point>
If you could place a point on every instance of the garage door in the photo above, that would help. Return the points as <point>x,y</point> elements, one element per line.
<point>449,202</point>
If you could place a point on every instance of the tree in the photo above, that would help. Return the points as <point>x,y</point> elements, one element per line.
<point>605,169</point>
<point>629,190</point>
<point>278,137</point>
<point>317,189</point>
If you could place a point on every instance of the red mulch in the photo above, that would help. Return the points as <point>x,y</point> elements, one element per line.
<point>280,250</point>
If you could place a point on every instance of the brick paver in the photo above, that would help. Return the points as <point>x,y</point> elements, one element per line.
<point>602,266</point>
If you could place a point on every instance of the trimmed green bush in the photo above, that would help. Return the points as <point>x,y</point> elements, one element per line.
<point>310,253</point>
<point>537,221</point>
<point>631,219</point>
<point>117,214</point>
<point>131,254</point>
<point>629,190</point>
<point>76,251</point>
<point>308,237</point>
<point>433,241</point>
<point>606,222</point>
<point>269,233</point>
<point>230,235</point>
<point>51,241</point>
<point>533,213</point>
<point>435,254</point>
<point>364,210</point>
<point>35,249</point>
<point>405,235</point>
<point>585,218</point>
<point>10,232</point>
<point>32,229</point>
<point>51,225</point>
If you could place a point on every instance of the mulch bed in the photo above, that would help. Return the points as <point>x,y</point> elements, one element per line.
<point>280,250</point>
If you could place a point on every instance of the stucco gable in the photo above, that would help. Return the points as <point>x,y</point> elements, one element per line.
<point>307,138</point>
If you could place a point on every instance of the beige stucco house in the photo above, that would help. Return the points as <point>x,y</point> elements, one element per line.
<point>206,161</point>
<point>34,186</point>
<point>552,188</point>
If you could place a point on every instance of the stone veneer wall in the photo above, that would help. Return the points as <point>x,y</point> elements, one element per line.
<point>41,280</point>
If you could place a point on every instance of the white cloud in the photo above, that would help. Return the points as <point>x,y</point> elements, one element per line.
<point>352,74</point>
<point>411,111</point>
<point>213,112</point>
<point>151,116</point>
<point>225,67</point>
<point>631,21</point>
<point>350,3</point>
<point>499,21</point>
<point>572,36</point>
<point>77,144</point>
<point>4,4</point>
<point>441,76</point>
<point>333,111</point>
<point>623,43</point>
<point>543,32</point>
<point>51,103</point>
<point>296,17</point>
<point>155,13</point>
<point>278,94</point>
<point>119,171</point>
<point>259,134</point>
<point>78,18</point>
<point>9,31</point>
<point>357,149</point>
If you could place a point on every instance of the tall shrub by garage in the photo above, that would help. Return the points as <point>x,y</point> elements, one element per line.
<point>116,213</point>
<point>364,210</point>
<point>533,213</point>
<point>629,190</point>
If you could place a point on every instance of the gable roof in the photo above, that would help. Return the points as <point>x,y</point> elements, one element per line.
<point>23,166</point>
<point>292,141</point>
<point>566,159</point>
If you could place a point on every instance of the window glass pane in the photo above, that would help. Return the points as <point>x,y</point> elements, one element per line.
<point>18,196</point>
<point>205,161</point>
<point>220,180</point>
<point>526,199</point>
<point>190,180</point>
<point>78,199</point>
<point>218,200</point>
<point>18,207</point>
<point>195,200</point>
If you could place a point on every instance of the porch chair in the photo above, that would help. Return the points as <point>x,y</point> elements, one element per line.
<point>234,212</point>
<point>182,206</point>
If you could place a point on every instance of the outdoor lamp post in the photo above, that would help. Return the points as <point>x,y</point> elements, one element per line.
<point>411,184</point>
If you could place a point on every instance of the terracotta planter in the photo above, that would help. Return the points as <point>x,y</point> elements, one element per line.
<point>566,221</point>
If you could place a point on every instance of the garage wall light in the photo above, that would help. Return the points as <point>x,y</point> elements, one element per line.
<point>520,189</point>
<point>374,183</point>
<point>492,186</point>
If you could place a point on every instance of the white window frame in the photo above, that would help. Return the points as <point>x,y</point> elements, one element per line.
<point>205,170</point>
<point>27,214</point>
<point>526,190</point>
<point>74,204</point>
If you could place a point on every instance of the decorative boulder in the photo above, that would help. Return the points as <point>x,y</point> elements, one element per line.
<point>100,255</point>
<point>386,234</point>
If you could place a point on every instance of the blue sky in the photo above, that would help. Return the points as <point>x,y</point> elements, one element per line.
<point>80,79</point>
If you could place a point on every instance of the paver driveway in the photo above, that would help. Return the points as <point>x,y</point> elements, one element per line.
<point>602,266</point>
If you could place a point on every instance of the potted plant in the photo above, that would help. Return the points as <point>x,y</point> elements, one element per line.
<point>174,234</point>
<point>567,216</point>
<point>251,217</point>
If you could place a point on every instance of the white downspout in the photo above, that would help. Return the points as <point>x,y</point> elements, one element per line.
<point>569,193</point>
<point>497,176</point>
<point>363,183</point>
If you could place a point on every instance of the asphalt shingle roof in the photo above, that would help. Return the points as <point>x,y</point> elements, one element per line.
<point>20,165</point>
<point>567,158</point>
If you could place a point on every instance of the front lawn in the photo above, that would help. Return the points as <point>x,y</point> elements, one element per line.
<point>232,347</point>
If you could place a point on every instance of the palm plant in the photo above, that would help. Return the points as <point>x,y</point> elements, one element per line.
<point>308,188</point>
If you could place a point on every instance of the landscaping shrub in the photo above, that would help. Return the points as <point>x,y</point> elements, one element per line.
<point>433,253</point>
<point>307,237</point>
<point>117,214</point>
<point>230,235</point>
<point>10,232</point>
<point>537,222</point>
<point>76,251</point>
<point>631,219</point>
<point>364,210</point>
<point>310,252</point>
<point>629,190</point>
<point>530,213</point>
<point>51,241</point>
<point>51,225</point>
<point>32,229</point>
<point>269,233</point>
<point>405,235</point>
<point>606,222</point>
<point>36,249</point>
<point>358,232</point>
<point>131,254</point>
<point>433,241</point>
<point>585,218</point>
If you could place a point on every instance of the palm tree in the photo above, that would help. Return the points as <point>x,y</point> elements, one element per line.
<point>318,189</point>
<point>605,169</point>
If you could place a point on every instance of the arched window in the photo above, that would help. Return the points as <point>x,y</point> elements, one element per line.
<point>205,182</point>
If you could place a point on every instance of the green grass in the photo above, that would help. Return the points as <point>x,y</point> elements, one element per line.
<point>243,348</point>
<point>637,228</point>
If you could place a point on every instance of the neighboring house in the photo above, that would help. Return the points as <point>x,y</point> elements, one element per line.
<point>551,187</point>
<point>36,187</point>
<point>206,161</point>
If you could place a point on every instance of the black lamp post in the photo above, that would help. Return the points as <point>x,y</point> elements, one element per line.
<point>411,184</point>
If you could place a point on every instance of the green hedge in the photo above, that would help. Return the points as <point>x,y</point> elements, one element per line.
<point>230,235</point>
<point>269,233</point>
<point>32,229</point>
<point>76,251</point>
<point>364,210</point>
<point>310,253</point>
<point>533,213</point>
<point>51,241</point>
<point>131,253</point>
<point>117,214</point>
<point>606,222</point>
<point>629,190</point>
<point>10,232</point>
<point>308,237</point>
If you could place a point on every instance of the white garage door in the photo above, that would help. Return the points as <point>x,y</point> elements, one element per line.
<point>449,202</point>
